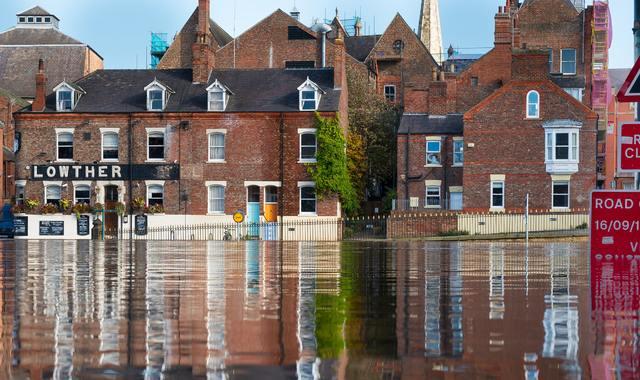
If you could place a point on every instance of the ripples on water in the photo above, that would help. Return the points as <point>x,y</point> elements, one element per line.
<point>213,310</point>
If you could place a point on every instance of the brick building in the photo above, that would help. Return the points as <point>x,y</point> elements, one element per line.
<point>506,118</point>
<point>200,142</point>
<point>35,36</point>
<point>618,114</point>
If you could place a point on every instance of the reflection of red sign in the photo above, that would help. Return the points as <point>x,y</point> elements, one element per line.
<point>615,225</point>
<point>629,152</point>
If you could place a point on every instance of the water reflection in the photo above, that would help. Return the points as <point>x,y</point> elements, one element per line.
<point>403,310</point>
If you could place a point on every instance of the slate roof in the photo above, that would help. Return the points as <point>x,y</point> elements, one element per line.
<point>359,47</point>
<point>570,81</point>
<point>452,124</point>
<point>263,90</point>
<point>36,36</point>
<point>37,11</point>
<point>617,77</point>
<point>221,35</point>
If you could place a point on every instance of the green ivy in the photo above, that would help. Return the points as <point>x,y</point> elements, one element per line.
<point>330,172</point>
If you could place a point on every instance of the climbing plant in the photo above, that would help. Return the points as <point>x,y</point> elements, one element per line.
<point>330,172</point>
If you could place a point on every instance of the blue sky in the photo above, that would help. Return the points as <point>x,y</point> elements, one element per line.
<point>120,29</point>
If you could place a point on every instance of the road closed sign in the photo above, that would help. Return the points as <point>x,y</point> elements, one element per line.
<point>615,226</point>
<point>629,151</point>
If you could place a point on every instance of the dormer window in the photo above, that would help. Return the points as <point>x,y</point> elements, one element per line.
<point>309,94</point>
<point>67,96</point>
<point>218,97</point>
<point>157,96</point>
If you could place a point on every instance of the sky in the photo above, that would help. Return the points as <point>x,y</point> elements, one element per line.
<point>119,30</point>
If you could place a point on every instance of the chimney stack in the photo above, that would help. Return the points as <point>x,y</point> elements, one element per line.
<point>503,32</point>
<point>41,88</point>
<point>339,68</point>
<point>203,58</point>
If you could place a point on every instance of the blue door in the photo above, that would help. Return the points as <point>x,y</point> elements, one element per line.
<point>253,211</point>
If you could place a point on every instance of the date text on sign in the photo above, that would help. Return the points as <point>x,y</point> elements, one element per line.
<point>615,225</point>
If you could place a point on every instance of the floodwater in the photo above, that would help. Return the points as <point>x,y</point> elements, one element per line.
<point>353,310</point>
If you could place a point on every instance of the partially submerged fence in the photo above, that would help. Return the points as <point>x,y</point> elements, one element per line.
<point>398,225</point>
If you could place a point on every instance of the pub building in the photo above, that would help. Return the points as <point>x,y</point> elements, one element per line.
<point>187,145</point>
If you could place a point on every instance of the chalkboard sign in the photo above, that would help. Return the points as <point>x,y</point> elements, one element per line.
<point>141,225</point>
<point>21,225</point>
<point>84,222</point>
<point>51,228</point>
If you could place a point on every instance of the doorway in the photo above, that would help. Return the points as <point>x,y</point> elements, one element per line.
<point>110,215</point>
<point>253,210</point>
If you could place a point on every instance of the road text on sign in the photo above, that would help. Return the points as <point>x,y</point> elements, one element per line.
<point>615,225</point>
<point>629,151</point>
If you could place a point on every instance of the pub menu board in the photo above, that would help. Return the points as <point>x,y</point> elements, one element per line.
<point>51,228</point>
<point>84,223</point>
<point>21,226</point>
<point>141,225</point>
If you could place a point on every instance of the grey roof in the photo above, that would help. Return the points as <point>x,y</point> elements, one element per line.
<point>36,36</point>
<point>264,90</point>
<point>221,35</point>
<point>570,81</point>
<point>617,77</point>
<point>359,47</point>
<point>18,66</point>
<point>37,11</point>
<point>452,124</point>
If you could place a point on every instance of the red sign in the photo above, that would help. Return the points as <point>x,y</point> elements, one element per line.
<point>629,152</point>
<point>630,90</point>
<point>615,225</point>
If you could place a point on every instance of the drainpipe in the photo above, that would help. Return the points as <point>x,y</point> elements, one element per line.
<point>323,29</point>
<point>406,164</point>
<point>130,160</point>
<point>281,192</point>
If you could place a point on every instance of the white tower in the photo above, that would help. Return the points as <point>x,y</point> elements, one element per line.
<point>429,31</point>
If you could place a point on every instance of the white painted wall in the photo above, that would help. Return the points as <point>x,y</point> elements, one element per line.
<point>70,227</point>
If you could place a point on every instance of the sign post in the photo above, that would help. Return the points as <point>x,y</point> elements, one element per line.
<point>630,93</point>
<point>238,217</point>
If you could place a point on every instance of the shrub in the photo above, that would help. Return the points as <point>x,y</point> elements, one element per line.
<point>582,226</point>
<point>65,205</point>
<point>81,208</point>
<point>453,233</point>
<point>155,209</point>
<point>138,204</point>
<point>49,208</point>
<point>31,204</point>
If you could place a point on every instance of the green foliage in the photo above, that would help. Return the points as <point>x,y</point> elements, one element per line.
<point>372,154</point>
<point>330,172</point>
<point>453,233</point>
<point>582,226</point>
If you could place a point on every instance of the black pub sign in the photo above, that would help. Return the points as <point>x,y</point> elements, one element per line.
<point>97,172</point>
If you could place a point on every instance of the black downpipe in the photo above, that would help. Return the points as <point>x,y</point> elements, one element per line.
<point>281,192</point>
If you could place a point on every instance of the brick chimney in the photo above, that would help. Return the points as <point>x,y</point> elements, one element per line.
<point>41,88</point>
<point>339,68</point>
<point>517,40</point>
<point>503,35</point>
<point>203,57</point>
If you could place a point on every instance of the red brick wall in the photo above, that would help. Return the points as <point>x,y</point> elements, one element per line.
<point>407,224</point>
<point>449,175</point>
<point>252,154</point>
<point>7,169</point>
<point>507,143</point>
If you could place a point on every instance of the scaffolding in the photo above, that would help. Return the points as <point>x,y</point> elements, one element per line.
<point>159,46</point>
<point>601,89</point>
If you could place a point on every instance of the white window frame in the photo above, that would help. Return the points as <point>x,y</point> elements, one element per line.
<point>48,184</point>
<point>21,184</point>
<point>217,88</point>
<point>75,96</point>
<point>155,131</point>
<point>210,185</point>
<point>76,186</point>
<point>151,184</point>
<point>60,131</point>
<point>460,141</point>
<point>573,91</point>
<point>307,131</point>
<point>427,196</point>
<point>439,152</point>
<point>553,194</point>
<point>551,145</point>
<point>388,97</point>
<point>529,103</point>
<point>575,61</point>
<point>210,133</point>
<point>302,185</point>
<point>309,86</point>
<point>106,131</point>
<point>504,192</point>
<point>157,86</point>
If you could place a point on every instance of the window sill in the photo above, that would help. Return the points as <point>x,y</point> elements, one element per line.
<point>499,210</point>
<point>110,161</point>
<point>560,209</point>
<point>216,214</point>
<point>307,161</point>
<point>65,160</point>
<point>457,165</point>
<point>432,166</point>
<point>533,118</point>
<point>216,161</point>
<point>308,214</point>
<point>433,207</point>
<point>155,160</point>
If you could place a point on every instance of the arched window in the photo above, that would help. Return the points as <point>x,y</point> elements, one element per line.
<point>533,105</point>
